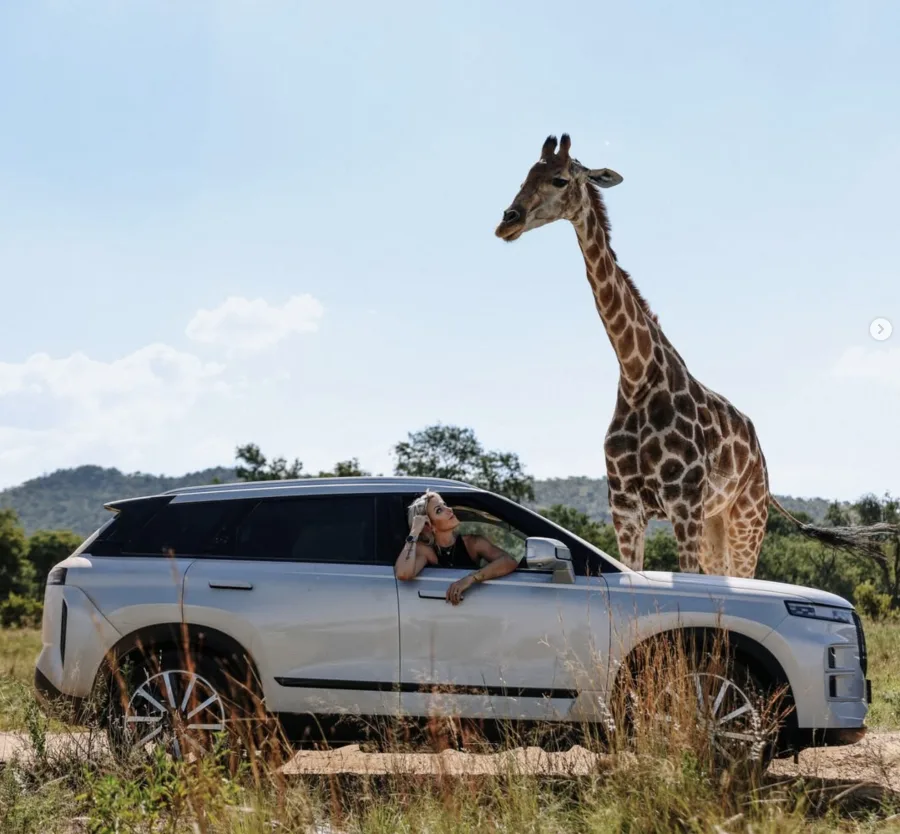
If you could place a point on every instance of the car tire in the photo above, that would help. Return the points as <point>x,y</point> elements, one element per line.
<point>721,708</point>
<point>185,703</point>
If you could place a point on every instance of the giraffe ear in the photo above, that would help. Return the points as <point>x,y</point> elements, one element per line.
<point>604,177</point>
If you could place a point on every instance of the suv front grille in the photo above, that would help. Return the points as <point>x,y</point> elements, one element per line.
<point>861,640</point>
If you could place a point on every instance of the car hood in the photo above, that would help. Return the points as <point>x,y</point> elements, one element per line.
<point>733,586</point>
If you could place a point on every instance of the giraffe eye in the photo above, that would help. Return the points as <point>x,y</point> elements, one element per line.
<point>559,182</point>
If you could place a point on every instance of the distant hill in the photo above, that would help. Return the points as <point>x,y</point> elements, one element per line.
<point>73,499</point>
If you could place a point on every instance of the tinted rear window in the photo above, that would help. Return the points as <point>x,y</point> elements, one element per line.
<point>178,529</point>
<point>311,529</point>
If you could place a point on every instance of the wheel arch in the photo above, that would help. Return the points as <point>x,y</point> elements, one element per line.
<point>180,637</point>
<point>761,662</point>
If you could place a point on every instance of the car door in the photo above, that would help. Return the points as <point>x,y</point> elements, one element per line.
<point>521,646</point>
<point>295,581</point>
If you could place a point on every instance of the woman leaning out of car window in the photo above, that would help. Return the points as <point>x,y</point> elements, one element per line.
<point>435,540</point>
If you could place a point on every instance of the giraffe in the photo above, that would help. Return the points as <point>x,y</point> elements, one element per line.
<point>675,449</point>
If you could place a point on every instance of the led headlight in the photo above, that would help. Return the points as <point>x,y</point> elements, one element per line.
<point>820,612</point>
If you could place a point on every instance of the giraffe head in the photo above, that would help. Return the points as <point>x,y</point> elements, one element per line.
<point>556,188</point>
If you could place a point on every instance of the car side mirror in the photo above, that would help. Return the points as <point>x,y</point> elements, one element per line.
<point>550,554</point>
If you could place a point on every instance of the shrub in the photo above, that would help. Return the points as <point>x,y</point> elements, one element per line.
<point>871,603</point>
<point>21,612</point>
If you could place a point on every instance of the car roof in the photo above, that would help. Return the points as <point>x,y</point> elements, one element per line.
<point>306,486</point>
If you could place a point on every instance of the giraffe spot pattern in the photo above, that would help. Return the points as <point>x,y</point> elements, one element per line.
<point>660,411</point>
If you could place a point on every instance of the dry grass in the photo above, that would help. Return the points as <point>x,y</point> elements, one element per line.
<point>664,775</point>
<point>18,651</point>
<point>883,641</point>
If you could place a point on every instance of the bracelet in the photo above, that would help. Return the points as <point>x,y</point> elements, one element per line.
<point>477,576</point>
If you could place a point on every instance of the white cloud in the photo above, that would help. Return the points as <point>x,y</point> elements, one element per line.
<point>63,412</point>
<point>157,409</point>
<point>876,363</point>
<point>254,325</point>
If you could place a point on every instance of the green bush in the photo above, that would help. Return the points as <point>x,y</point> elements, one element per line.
<point>871,603</point>
<point>21,612</point>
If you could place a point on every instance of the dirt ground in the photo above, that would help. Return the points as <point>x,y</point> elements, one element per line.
<point>873,761</point>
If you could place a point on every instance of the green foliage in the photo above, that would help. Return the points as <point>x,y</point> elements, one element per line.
<point>452,452</point>
<point>345,469</point>
<point>47,547</point>
<point>872,510</point>
<point>661,552</point>
<point>167,795</point>
<point>872,604</point>
<point>16,574</point>
<point>18,611</point>
<point>595,532</point>
<point>254,466</point>
<point>800,561</point>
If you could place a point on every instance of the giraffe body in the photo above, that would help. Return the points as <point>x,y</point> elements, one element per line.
<point>674,449</point>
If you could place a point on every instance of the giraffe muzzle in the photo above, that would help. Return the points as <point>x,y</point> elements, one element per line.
<point>512,224</point>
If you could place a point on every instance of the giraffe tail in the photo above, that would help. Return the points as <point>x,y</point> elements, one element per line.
<point>853,539</point>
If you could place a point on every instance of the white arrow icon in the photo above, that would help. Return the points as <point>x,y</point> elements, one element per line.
<point>880,330</point>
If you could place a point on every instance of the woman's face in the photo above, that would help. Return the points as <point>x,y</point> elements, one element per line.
<point>441,516</point>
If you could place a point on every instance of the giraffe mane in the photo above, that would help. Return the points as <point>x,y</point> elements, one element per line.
<point>596,199</point>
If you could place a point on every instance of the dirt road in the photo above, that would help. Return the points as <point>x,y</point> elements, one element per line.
<point>875,760</point>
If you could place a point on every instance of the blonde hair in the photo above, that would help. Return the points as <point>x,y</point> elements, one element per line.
<point>420,506</point>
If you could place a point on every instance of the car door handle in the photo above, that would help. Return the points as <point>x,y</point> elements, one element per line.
<point>230,585</point>
<point>429,594</point>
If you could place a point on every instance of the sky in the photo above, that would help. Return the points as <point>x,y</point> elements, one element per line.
<point>225,222</point>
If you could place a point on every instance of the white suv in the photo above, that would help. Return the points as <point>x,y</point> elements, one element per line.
<point>289,586</point>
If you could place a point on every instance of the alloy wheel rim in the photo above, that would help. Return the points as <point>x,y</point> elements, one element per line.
<point>177,709</point>
<point>726,713</point>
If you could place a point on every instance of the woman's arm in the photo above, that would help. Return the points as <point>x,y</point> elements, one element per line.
<point>500,563</point>
<point>414,555</point>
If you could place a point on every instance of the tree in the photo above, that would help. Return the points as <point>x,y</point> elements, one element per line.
<point>837,516</point>
<point>16,574</point>
<point>661,552</point>
<point>47,547</point>
<point>452,452</point>
<point>345,469</point>
<point>582,525</point>
<point>872,510</point>
<point>255,467</point>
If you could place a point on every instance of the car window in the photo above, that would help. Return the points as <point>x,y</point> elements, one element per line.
<point>310,529</point>
<point>177,529</point>
<point>500,533</point>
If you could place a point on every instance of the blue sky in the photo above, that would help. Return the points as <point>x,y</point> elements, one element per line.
<point>172,175</point>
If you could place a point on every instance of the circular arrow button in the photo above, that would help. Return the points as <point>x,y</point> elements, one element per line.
<point>881,329</point>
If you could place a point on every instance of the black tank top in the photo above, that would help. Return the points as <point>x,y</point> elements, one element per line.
<point>455,557</point>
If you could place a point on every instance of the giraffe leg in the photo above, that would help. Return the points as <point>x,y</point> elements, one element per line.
<point>715,557</point>
<point>686,516</point>
<point>630,537</point>
<point>746,526</point>
<point>628,519</point>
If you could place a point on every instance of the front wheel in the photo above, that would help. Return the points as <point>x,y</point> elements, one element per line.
<point>727,713</point>
<point>719,711</point>
<point>182,705</point>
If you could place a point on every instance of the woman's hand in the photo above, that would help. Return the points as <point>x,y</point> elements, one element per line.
<point>457,589</point>
<point>418,525</point>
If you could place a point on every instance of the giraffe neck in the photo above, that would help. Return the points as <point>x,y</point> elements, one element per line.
<point>631,328</point>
